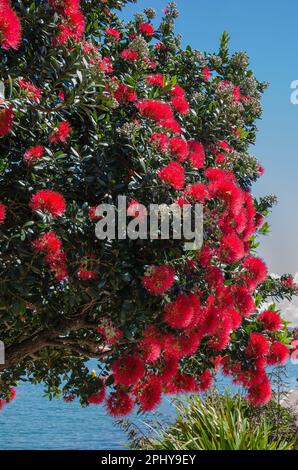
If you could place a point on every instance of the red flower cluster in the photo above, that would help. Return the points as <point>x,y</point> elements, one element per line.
<point>278,354</point>
<point>98,397</point>
<point>128,54</point>
<point>154,109</point>
<point>10,27</point>
<point>180,312</point>
<point>125,94</point>
<point>113,33</point>
<point>86,270</point>
<point>159,111</point>
<point>2,212</point>
<point>270,320</point>
<point>258,346</point>
<point>173,174</point>
<point>61,133</point>
<point>110,333</point>
<point>50,202</point>
<point>206,73</point>
<point>178,148</point>
<point>119,403</point>
<point>178,100</point>
<point>32,92</point>
<point>33,154</point>
<point>197,154</point>
<point>159,279</point>
<point>128,370</point>
<point>50,245</point>
<point>12,393</point>
<point>72,21</point>
<point>6,120</point>
<point>148,393</point>
<point>146,29</point>
<point>156,79</point>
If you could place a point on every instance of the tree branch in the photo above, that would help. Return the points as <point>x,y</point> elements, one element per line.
<point>16,353</point>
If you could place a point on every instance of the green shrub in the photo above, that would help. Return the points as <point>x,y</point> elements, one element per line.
<point>224,422</point>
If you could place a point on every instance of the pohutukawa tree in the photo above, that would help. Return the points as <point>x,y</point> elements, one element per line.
<point>94,108</point>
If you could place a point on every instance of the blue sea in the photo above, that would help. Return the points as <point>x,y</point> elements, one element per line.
<point>34,422</point>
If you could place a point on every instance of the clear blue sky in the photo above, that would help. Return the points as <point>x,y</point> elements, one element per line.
<point>267,31</point>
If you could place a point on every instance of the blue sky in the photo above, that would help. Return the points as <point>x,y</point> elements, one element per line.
<point>267,31</point>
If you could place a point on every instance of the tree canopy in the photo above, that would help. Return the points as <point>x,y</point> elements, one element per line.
<point>94,108</point>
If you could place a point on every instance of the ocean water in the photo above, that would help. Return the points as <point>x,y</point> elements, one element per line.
<point>34,422</point>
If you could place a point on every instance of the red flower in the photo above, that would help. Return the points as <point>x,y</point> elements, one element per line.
<point>197,191</point>
<point>128,370</point>
<point>86,270</point>
<point>48,201</point>
<point>258,346</point>
<point>197,154</point>
<point>180,312</point>
<point>156,79</point>
<point>148,393</point>
<point>6,119</point>
<point>260,394</point>
<point>168,368</point>
<point>99,396</point>
<point>60,5</point>
<point>224,146</point>
<point>244,302</point>
<point>72,25</point>
<point>128,54</point>
<point>180,104</point>
<point>178,148</point>
<point>189,342</point>
<point>61,95</point>
<point>2,212</point>
<point>110,333</point>
<point>92,215</point>
<point>125,94</point>
<point>256,272</point>
<point>119,403</point>
<point>160,140</point>
<point>177,91</point>
<point>231,248</point>
<point>86,274</point>
<point>33,92</point>
<point>33,154</point>
<point>159,279</point>
<point>205,381</point>
<point>147,29</point>
<point>206,72</point>
<point>155,109</point>
<point>278,354</point>
<point>171,124</point>
<point>205,255</point>
<point>173,174</point>
<point>113,33</point>
<point>105,65</point>
<point>10,27</point>
<point>12,393</point>
<point>237,93</point>
<point>57,264</point>
<point>150,349</point>
<point>48,243</point>
<point>271,320</point>
<point>61,133</point>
